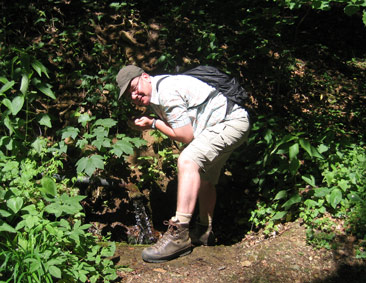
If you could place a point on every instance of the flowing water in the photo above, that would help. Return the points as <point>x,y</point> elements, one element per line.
<point>144,234</point>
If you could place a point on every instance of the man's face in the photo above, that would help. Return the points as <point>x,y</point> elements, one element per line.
<point>140,90</point>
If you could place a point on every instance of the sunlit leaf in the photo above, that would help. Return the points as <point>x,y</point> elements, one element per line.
<point>293,200</point>
<point>335,197</point>
<point>45,120</point>
<point>5,227</point>
<point>90,164</point>
<point>49,186</point>
<point>15,204</point>
<point>280,195</point>
<point>17,104</point>
<point>279,215</point>
<point>46,89</point>
<point>24,84</point>
<point>6,86</point>
<point>293,151</point>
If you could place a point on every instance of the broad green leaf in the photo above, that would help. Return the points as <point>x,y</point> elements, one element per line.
<point>39,144</point>
<point>55,271</point>
<point>24,84</point>
<point>294,166</point>
<point>90,164</point>
<point>6,86</point>
<point>9,125</point>
<point>364,17</point>
<point>17,104</point>
<point>322,148</point>
<point>310,203</point>
<point>15,204</point>
<point>280,195</point>
<point>309,179</point>
<point>335,197</point>
<point>354,197</point>
<point>8,104</point>
<point>122,147</point>
<point>4,213</point>
<point>39,68</point>
<point>46,89</point>
<point>293,200</point>
<point>84,119</point>
<point>107,123</point>
<point>45,120</point>
<point>5,227</point>
<point>306,145</point>
<point>54,208</point>
<point>49,186</point>
<point>321,192</point>
<point>343,184</point>
<point>279,215</point>
<point>69,132</point>
<point>293,151</point>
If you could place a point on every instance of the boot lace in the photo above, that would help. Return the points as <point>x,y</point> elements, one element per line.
<point>172,230</point>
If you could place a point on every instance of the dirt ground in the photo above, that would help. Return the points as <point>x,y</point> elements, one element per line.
<point>283,258</point>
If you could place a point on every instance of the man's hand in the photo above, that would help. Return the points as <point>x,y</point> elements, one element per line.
<point>143,123</point>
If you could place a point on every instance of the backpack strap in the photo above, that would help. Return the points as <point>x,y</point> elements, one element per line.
<point>159,81</point>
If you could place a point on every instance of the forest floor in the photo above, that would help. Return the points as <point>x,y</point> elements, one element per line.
<point>285,257</point>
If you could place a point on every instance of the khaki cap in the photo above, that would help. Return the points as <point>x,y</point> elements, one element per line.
<point>125,75</point>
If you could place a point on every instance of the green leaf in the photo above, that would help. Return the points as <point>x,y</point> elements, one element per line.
<point>321,192</point>
<point>46,89</point>
<point>335,197</point>
<point>309,179</point>
<point>4,213</point>
<point>90,164</point>
<point>5,227</point>
<point>45,120</point>
<point>279,215</point>
<point>306,145</point>
<point>15,204</point>
<point>8,85</point>
<point>24,84</point>
<point>69,132</point>
<point>107,123</point>
<point>39,68</point>
<point>9,125</point>
<point>293,200</point>
<point>84,119</point>
<point>55,271</point>
<point>17,104</point>
<point>294,151</point>
<point>8,104</point>
<point>49,186</point>
<point>343,184</point>
<point>121,147</point>
<point>280,195</point>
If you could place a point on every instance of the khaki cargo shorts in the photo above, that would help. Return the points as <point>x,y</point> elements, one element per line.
<point>211,148</point>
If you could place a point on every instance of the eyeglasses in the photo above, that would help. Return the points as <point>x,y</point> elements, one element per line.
<point>134,89</point>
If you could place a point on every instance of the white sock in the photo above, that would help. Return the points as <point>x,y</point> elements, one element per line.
<point>183,217</point>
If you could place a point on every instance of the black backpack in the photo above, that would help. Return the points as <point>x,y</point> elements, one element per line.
<point>227,85</point>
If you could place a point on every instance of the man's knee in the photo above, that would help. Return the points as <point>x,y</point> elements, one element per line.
<point>186,164</point>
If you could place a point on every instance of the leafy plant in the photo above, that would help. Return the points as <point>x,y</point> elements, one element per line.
<point>97,143</point>
<point>42,235</point>
<point>22,84</point>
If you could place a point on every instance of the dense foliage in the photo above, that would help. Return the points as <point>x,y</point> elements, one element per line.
<point>302,62</point>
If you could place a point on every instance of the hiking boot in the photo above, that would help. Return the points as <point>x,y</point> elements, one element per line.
<point>202,235</point>
<point>174,243</point>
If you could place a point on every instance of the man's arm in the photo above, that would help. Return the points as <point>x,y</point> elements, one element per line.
<point>182,134</point>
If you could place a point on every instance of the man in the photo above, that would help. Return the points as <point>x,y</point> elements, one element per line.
<point>192,112</point>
